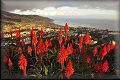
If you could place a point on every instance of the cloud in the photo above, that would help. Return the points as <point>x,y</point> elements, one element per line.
<point>41,4</point>
<point>66,11</point>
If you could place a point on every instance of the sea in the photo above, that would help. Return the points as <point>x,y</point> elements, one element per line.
<point>112,25</point>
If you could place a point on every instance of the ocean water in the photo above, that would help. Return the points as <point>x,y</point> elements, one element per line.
<point>93,23</point>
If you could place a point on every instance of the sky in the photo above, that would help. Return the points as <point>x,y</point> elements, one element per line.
<point>95,9</point>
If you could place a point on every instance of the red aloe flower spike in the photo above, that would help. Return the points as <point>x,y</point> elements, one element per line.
<point>88,59</point>
<point>104,51</point>
<point>105,66</point>
<point>10,64</point>
<point>17,33</point>
<point>34,38</point>
<point>46,46</point>
<point>69,69</point>
<point>5,59</point>
<point>66,28</point>
<point>95,50</point>
<point>22,64</point>
<point>34,42</point>
<point>30,50</point>
<point>41,49</point>
<point>62,56</point>
<point>69,49</point>
<point>41,32</point>
<point>86,39</point>
<point>62,49</point>
<point>60,59</point>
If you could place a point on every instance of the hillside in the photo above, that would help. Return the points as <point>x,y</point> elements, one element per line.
<point>24,18</point>
<point>24,22</point>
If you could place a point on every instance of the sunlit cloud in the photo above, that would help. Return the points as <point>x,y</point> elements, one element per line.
<point>66,11</point>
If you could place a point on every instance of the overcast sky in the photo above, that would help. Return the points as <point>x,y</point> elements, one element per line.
<point>98,9</point>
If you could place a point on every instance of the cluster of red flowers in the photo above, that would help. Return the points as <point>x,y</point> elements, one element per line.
<point>22,64</point>
<point>41,47</point>
<point>62,55</point>
<point>103,51</point>
<point>69,69</point>
<point>99,67</point>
